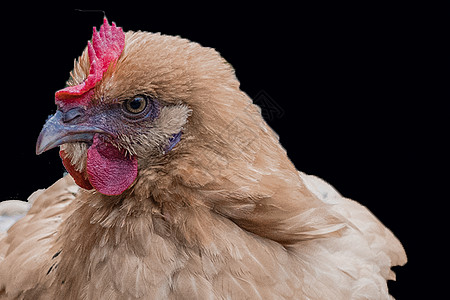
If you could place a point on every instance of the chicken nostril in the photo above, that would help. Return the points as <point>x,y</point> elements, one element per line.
<point>72,114</point>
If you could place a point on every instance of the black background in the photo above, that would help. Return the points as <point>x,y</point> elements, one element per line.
<point>346,79</point>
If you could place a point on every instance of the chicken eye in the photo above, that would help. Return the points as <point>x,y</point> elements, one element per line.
<point>135,105</point>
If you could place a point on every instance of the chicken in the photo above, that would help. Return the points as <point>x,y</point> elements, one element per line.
<point>178,189</point>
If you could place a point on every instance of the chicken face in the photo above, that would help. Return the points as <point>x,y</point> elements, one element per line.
<point>108,124</point>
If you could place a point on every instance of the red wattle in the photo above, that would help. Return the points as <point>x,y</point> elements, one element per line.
<point>77,176</point>
<point>110,170</point>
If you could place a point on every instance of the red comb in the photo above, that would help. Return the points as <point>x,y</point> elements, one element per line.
<point>106,47</point>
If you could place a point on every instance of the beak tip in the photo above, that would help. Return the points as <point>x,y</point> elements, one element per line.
<point>55,133</point>
<point>40,147</point>
<point>46,139</point>
<point>38,150</point>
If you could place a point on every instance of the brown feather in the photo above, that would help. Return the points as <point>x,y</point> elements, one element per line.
<point>225,215</point>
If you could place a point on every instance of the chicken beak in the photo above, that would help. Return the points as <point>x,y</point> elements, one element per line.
<point>59,130</point>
